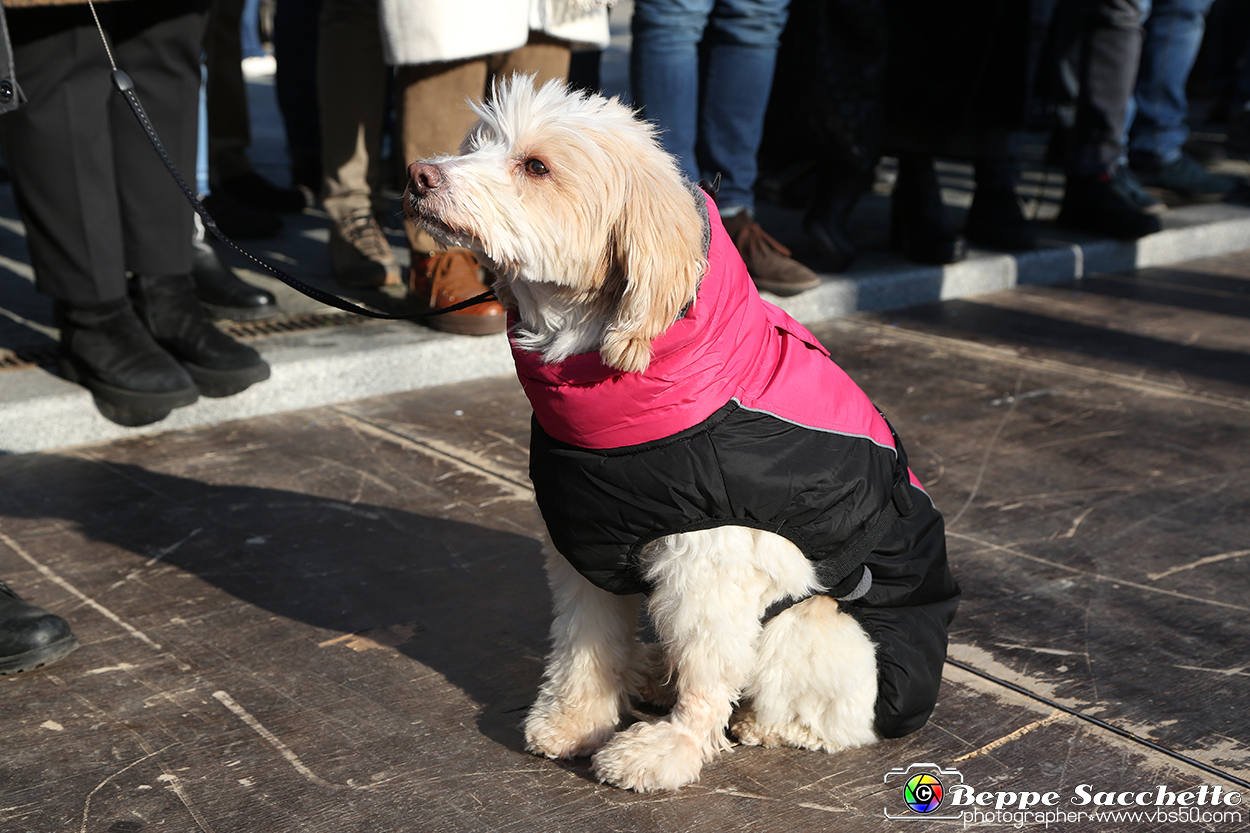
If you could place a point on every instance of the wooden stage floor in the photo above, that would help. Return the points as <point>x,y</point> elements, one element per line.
<point>333,620</point>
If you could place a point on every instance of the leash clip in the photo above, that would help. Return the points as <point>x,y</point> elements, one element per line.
<point>122,81</point>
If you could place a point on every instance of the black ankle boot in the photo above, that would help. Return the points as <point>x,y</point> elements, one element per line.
<point>826,219</point>
<point>995,221</point>
<point>219,365</point>
<point>223,293</point>
<point>30,636</point>
<point>918,225</point>
<point>106,349</point>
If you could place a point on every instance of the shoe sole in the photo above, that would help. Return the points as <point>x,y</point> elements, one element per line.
<point>1187,196</point>
<point>46,655</point>
<point>367,276</point>
<point>216,384</point>
<point>221,313</point>
<point>127,407</point>
<point>474,325</point>
<point>463,325</point>
<point>785,290</point>
<point>1080,226</point>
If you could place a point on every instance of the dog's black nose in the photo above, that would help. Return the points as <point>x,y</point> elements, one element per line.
<point>425,177</point>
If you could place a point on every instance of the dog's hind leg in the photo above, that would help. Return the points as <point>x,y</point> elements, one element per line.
<point>815,686</point>
<point>710,588</point>
<point>591,670</point>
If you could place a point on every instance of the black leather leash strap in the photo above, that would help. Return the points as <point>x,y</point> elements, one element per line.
<point>126,87</point>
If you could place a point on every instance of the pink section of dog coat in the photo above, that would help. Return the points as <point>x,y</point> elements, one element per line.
<point>731,344</point>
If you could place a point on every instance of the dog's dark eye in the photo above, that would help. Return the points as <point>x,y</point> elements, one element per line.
<point>535,167</point>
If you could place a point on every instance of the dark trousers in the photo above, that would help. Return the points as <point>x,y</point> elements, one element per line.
<point>93,194</point>
<point>1108,36</point>
<point>295,32</point>
<point>229,128</point>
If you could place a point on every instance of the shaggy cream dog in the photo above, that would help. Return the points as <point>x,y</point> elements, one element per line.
<point>692,446</point>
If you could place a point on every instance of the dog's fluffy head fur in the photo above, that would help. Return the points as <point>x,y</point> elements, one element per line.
<point>593,236</point>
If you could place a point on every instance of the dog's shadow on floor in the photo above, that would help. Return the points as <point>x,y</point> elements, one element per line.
<point>471,603</point>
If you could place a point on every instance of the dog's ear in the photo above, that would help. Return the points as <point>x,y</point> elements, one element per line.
<point>657,253</point>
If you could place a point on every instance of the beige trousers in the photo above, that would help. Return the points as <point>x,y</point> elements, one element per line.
<point>351,94</point>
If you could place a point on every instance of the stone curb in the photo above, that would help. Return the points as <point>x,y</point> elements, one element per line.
<point>39,411</point>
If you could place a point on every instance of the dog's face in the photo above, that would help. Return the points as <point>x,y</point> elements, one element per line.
<point>593,236</point>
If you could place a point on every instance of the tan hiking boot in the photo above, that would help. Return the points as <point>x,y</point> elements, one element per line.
<point>446,278</point>
<point>770,264</point>
<point>360,254</point>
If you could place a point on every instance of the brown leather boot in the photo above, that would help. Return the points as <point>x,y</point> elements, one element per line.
<point>768,261</point>
<point>446,278</point>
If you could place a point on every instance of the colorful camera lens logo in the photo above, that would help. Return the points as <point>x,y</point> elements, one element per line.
<point>923,793</point>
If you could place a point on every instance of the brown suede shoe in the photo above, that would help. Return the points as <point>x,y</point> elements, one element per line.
<point>360,254</point>
<point>447,278</point>
<point>768,261</point>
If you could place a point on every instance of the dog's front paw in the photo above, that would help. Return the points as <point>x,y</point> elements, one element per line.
<point>648,757</point>
<point>556,732</point>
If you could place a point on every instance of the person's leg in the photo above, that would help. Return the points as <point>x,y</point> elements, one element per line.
<point>65,167</point>
<point>231,177</point>
<point>544,57</point>
<point>295,33</point>
<point>995,220</point>
<point>1174,30</point>
<point>740,50</point>
<point>60,155</point>
<point>249,30</point>
<point>434,116</point>
<point>229,133</point>
<point>664,71</point>
<point>351,92</point>
<point>739,53</point>
<point>1110,52</point>
<point>158,42</point>
<point>1097,199</point>
<point>1173,34</point>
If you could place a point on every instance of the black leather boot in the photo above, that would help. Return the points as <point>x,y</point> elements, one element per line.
<point>106,349</point>
<point>220,366</point>
<point>30,637</point>
<point>918,225</point>
<point>995,219</point>
<point>223,293</point>
<point>825,222</point>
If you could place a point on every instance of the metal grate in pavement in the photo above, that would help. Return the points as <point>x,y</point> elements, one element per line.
<point>290,324</point>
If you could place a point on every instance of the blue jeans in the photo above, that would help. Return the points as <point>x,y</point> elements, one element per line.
<point>702,70</point>
<point>1159,108</point>
<point>249,30</point>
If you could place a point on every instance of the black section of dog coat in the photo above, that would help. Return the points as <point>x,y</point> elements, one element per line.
<point>907,612</point>
<point>747,468</point>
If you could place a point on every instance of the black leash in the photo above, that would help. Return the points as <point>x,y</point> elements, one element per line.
<point>126,87</point>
